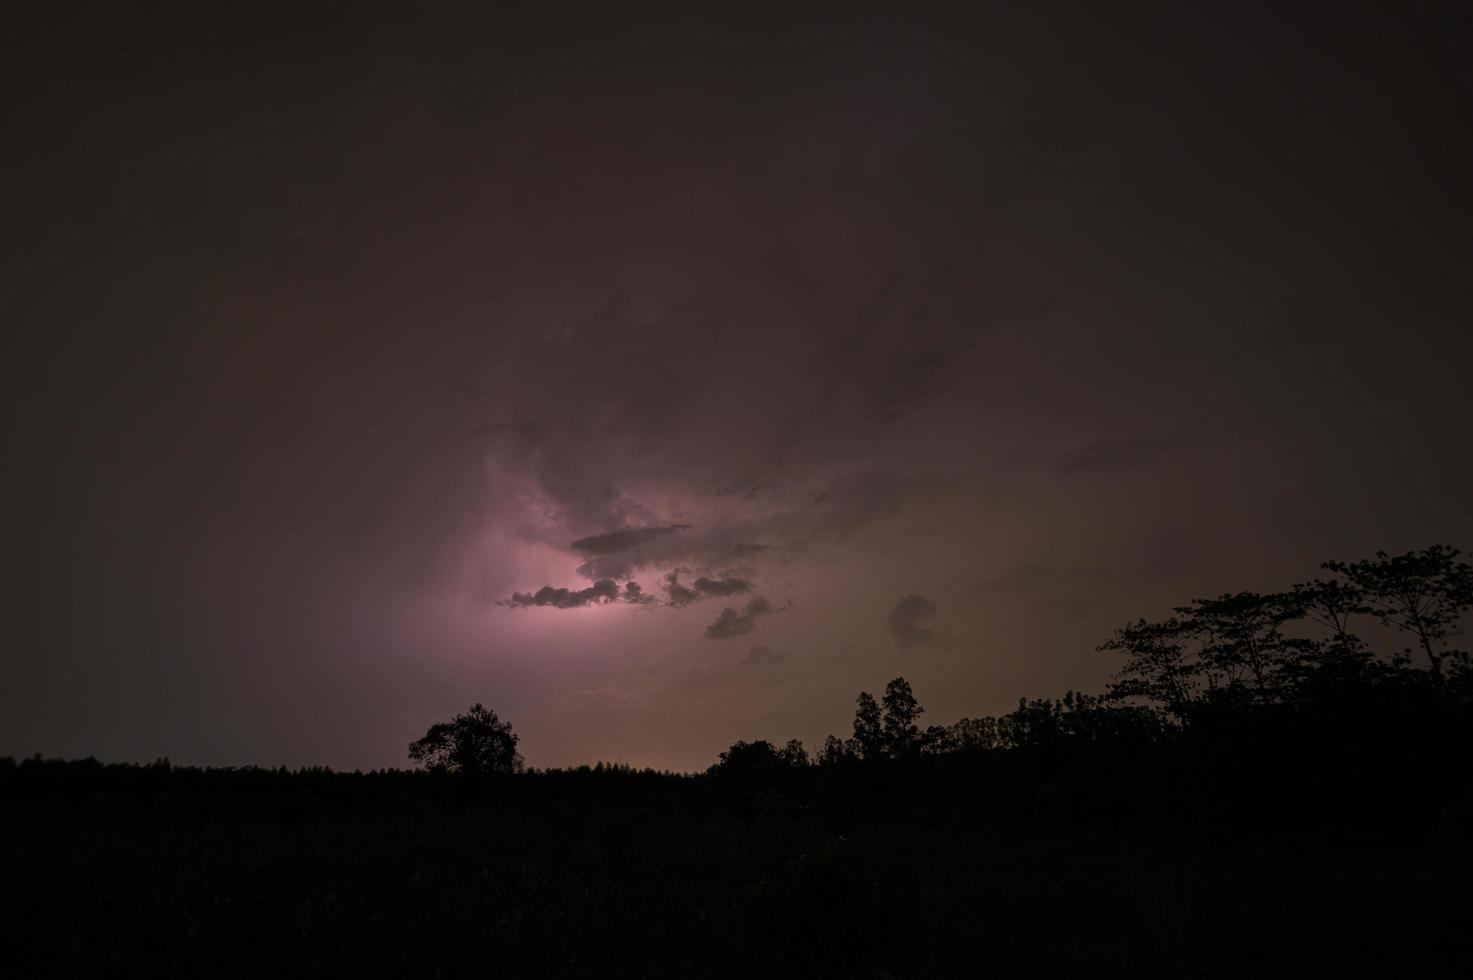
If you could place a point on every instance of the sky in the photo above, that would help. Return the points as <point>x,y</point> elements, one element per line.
<point>356,362</point>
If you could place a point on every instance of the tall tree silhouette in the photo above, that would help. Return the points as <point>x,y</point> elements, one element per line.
<point>902,735</point>
<point>868,741</point>
<point>475,743</point>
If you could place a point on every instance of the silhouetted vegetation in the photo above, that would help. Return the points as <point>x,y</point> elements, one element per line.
<point>476,743</point>
<point>1275,784</point>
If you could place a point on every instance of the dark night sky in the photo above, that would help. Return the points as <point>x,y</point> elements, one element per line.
<point>929,343</point>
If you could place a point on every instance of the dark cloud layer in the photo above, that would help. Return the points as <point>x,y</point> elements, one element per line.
<point>722,586</point>
<point>618,554</point>
<point>703,587</point>
<point>904,621</point>
<point>760,658</point>
<point>731,623</point>
<point>600,592</point>
<point>623,540</point>
<point>679,594</point>
<point>683,595</point>
<point>331,333</point>
<point>606,591</point>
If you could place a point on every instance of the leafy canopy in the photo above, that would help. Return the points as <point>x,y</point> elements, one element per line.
<point>475,743</point>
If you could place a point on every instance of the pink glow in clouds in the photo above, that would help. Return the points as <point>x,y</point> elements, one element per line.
<point>323,354</point>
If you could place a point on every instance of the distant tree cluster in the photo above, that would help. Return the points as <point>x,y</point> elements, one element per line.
<point>1234,655</point>
<point>760,761</point>
<point>884,729</point>
<point>890,732</point>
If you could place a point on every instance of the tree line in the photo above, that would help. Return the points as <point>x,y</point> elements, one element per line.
<point>1239,655</point>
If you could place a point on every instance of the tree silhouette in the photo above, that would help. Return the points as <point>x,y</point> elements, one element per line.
<point>1158,665</point>
<point>475,743</point>
<point>833,751</point>
<point>938,740</point>
<point>974,734</point>
<point>902,735</point>
<point>1033,724</point>
<point>1246,649</point>
<point>1332,605</point>
<point>1222,653</point>
<point>1423,593</point>
<point>1076,719</point>
<point>868,741</point>
<point>1241,642</point>
<point>758,762</point>
<point>794,753</point>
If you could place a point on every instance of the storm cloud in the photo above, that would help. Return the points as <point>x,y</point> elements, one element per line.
<point>624,539</point>
<point>905,619</point>
<point>600,592</point>
<point>399,329</point>
<point>760,658</point>
<point>703,587</point>
<point>722,586</point>
<point>731,623</point>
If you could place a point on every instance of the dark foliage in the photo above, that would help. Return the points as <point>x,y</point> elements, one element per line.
<point>868,740</point>
<point>902,736</point>
<point>1421,593</point>
<point>1245,651</point>
<point>476,743</point>
<point>1262,793</point>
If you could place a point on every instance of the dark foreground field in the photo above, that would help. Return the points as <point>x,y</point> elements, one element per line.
<point>1223,859</point>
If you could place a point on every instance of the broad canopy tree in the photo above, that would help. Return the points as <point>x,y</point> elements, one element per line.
<point>1423,593</point>
<point>476,743</point>
<point>1245,649</point>
<point>759,760</point>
